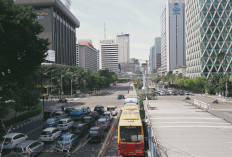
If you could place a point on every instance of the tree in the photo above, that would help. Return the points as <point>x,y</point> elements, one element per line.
<point>22,51</point>
<point>221,56</point>
<point>200,84</point>
<point>189,84</point>
<point>213,84</point>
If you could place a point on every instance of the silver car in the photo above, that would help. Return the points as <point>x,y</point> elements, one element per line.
<point>12,139</point>
<point>27,148</point>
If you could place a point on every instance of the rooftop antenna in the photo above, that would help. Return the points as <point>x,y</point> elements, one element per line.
<point>105,30</point>
<point>68,4</point>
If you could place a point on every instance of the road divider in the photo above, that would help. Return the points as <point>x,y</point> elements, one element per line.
<point>201,105</point>
<point>106,144</point>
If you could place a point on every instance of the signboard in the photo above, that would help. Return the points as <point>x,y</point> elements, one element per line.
<point>176,9</point>
<point>50,56</point>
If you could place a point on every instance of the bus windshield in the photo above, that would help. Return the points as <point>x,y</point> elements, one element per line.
<point>130,133</point>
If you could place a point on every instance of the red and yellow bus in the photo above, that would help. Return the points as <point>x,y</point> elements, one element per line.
<point>130,134</point>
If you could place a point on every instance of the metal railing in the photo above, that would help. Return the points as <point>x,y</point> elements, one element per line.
<point>201,105</point>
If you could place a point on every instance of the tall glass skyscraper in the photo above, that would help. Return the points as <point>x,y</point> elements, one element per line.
<point>208,33</point>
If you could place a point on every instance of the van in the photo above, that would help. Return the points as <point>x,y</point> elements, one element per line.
<point>77,114</point>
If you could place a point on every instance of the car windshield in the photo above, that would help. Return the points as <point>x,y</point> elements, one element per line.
<point>130,133</point>
<point>101,123</point>
<point>45,132</point>
<point>110,109</point>
<point>106,115</point>
<point>62,122</point>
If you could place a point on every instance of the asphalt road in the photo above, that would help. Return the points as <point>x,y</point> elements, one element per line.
<point>106,97</point>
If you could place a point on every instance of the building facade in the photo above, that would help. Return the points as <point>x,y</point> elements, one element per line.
<point>208,33</point>
<point>87,55</point>
<point>108,55</point>
<point>155,54</point>
<point>59,28</point>
<point>173,36</point>
<point>123,42</point>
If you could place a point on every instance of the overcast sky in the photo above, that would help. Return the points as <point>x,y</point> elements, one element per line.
<point>139,18</point>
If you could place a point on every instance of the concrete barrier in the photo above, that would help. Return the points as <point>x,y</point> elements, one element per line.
<point>201,105</point>
<point>105,145</point>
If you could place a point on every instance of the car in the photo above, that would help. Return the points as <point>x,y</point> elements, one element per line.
<point>108,115</point>
<point>27,148</point>
<point>12,139</point>
<point>94,114</point>
<point>81,129</point>
<point>86,110</point>
<point>96,134</point>
<point>62,100</point>
<point>66,142</point>
<point>167,93</point>
<point>48,114</point>
<point>51,122</point>
<point>77,114</point>
<point>181,92</point>
<point>89,120</point>
<point>99,109</point>
<point>103,123</point>
<point>174,93</point>
<point>65,124</point>
<point>50,134</point>
<point>68,110</point>
<point>121,97</point>
<point>186,93</point>
<point>113,110</point>
<point>60,114</point>
<point>162,93</point>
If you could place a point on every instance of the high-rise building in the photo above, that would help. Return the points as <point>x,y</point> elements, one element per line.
<point>77,54</point>
<point>123,42</point>
<point>88,55</point>
<point>208,33</point>
<point>59,27</point>
<point>173,35</point>
<point>108,56</point>
<point>154,58</point>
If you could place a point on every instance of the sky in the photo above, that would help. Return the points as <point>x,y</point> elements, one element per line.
<point>139,18</point>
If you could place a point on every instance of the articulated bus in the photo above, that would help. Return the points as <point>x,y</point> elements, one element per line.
<point>130,134</point>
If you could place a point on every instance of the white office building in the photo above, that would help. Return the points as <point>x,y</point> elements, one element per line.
<point>208,33</point>
<point>154,57</point>
<point>173,36</point>
<point>87,55</point>
<point>108,56</point>
<point>123,42</point>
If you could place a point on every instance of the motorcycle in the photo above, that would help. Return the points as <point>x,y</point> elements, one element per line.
<point>187,98</point>
<point>215,101</point>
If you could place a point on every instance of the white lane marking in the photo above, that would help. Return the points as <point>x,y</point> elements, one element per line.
<point>33,130</point>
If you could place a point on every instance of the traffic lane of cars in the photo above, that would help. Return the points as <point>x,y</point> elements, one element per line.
<point>83,147</point>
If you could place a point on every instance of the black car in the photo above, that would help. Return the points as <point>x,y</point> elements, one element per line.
<point>48,114</point>
<point>121,97</point>
<point>94,114</point>
<point>86,110</point>
<point>96,134</point>
<point>68,110</point>
<point>99,109</point>
<point>181,92</point>
<point>81,129</point>
<point>88,119</point>
<point>62,100</point>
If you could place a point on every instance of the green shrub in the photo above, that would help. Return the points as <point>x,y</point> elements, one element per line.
<point>24,116</point>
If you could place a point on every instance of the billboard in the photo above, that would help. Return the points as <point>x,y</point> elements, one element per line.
<point>51,57</point>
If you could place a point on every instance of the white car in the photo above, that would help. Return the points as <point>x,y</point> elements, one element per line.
<point>12,139</point>
<point>50,134</point>
<point>65,124</point>
<point>108,115</point>
<point>113,110</point>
